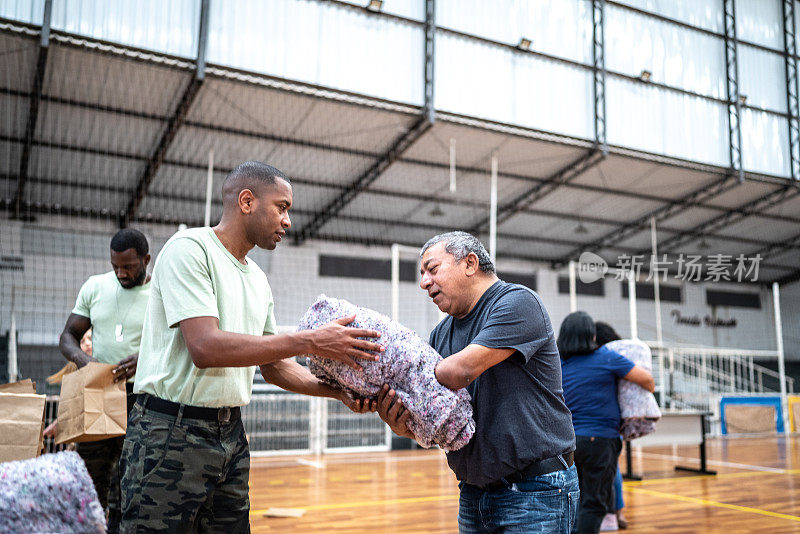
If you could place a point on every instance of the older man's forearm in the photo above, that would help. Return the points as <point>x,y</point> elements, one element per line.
<point>453,373</point>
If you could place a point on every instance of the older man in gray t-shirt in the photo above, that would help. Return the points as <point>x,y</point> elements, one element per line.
<point>498,342</point>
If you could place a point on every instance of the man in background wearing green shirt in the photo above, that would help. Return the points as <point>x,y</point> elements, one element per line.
<point>113,305</point>
<point>210,320</point>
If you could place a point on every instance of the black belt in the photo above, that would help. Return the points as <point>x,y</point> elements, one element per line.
<point>540,467</point>
<point>217,415</point>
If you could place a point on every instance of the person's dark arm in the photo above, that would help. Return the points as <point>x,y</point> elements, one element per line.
<point>69,343</point>
<point>393,413</point>
<point>291,376</point>
<point>126,368</point>
<point>211,347</point>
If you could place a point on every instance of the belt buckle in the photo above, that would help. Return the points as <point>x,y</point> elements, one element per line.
<point>224,415</point>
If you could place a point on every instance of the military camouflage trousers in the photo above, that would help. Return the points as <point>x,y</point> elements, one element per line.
<point>184,475</point>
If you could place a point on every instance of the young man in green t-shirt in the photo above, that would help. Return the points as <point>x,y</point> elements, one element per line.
<point>209,322</point>
<point>113,305</point>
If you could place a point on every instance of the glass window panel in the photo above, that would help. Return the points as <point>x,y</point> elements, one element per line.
<point>657,120</point>
<point>483,80</point>
<point>760,22</point>
<point>560,28</point>
<point>410,9</point>
<point>762,78</point>
<point>765,143</point>
<point>322,44</point>
<point>169,27</point>
<point>674,56</point>
<point>30,11</point>
<point>705,14</point>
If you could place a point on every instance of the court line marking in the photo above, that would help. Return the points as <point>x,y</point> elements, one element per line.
<point>312,463</point>
<point>633,486</point>
<point>272,461</point>
<point>637,483</point>
<point>361,504</point>
<point>706,502</point>
<point>720,463</point>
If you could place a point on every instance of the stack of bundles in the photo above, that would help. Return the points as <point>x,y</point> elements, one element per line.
<point>51,493</point>
<point>638,407</point>
<point>438,415</point>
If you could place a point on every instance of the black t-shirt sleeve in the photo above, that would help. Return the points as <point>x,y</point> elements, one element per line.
<point>516,321</point>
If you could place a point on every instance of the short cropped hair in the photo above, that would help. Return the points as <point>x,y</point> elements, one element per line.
<point>267,174</point>
<point>461,245</point>
<point>576,335</point>
<point>605,333</point>
<point>130,238</point>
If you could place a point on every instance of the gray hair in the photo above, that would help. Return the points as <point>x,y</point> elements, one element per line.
<point>461,245</point>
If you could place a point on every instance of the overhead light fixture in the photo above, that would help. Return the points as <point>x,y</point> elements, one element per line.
<point>524,44</point>
<point>743,100</point>
<point>376,6</point>
<point>436,211</point>
<point>581,229</point>
<point>645,75</point>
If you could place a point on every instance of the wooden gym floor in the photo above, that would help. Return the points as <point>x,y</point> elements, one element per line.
<point>757,489</point>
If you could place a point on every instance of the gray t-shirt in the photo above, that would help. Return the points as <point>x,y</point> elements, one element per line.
<point>518,404</point>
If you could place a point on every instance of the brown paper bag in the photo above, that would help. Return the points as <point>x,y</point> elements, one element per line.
<point>23,386</point>
<point>91,407</point>
<point>21,423</point>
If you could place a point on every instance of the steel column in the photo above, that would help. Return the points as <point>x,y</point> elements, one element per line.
<point>401,145</point>
<point>430,56</point>
<point>33,110</point>
<point>792,98</point>
<point>734,103</point>
<point>175,122</point>
<point>599,71</point>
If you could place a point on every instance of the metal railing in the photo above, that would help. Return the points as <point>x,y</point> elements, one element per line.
<point>281,422</point>
<point>696,377</point>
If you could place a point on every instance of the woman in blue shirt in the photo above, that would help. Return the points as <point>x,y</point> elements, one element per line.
<point>589,375</point>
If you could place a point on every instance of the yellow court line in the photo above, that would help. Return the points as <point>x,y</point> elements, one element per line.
<point>638,483</point>
<point>717,504</point>
<point>359,504</point>
<point>630,485</point>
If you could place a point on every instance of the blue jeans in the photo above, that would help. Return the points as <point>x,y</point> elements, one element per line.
<point>546,503</point>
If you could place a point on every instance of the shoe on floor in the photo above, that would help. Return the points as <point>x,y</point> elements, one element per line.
<point>621,521</point>
<point>609,523</point>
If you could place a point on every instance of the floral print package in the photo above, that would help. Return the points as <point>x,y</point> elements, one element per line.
<point>438,415</point>
<point>638,407</point>
<point>51,493</point>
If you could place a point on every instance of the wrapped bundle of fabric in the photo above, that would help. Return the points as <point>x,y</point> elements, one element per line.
<point>438,415</point>
<point>638,407</point>
<point>51,493</point>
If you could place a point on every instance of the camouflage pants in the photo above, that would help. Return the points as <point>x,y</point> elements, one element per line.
<point>184,475</point>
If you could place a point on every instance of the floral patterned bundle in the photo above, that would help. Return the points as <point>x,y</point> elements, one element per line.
<point>638,407</point>
<point>51,493</point>
<point>438,415</point>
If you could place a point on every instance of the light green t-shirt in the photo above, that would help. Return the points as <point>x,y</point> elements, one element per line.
<point>116,315</point>
<point>196,276</point>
